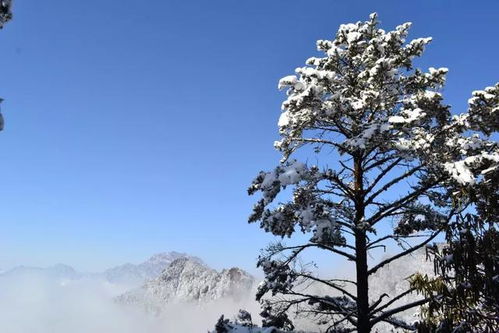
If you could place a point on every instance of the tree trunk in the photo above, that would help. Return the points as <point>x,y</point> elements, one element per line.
<point>363,325</point>
<point>362,282</point>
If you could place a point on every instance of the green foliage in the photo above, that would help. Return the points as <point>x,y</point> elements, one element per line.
<point>465,293</point>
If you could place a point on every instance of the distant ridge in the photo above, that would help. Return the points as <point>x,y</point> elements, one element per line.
<point>128,274</point>
<point>58,271</point>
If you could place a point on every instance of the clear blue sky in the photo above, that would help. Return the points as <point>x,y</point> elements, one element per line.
<point>134,127</point>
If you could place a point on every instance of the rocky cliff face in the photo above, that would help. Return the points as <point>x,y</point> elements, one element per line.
<point>190,280</point>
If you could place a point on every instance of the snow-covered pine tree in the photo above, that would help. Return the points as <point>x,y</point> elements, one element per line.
<point>393,166</point>
<point>5,15</point>
<point>5,11</point>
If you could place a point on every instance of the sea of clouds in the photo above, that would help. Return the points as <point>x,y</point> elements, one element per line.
<point>37,304</point>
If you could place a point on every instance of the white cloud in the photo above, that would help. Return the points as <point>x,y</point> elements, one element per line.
<point>38,304</point>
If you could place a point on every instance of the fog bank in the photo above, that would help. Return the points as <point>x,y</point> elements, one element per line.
<point>37,304</point>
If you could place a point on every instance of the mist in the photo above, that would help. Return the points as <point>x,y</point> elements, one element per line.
<point>37,304</point>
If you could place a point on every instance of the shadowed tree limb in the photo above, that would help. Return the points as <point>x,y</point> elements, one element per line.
<point>403,253</point>
<point>389,313</point>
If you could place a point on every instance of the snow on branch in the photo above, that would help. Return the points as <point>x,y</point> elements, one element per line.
<point>388,152</point>
<point>5,11</point>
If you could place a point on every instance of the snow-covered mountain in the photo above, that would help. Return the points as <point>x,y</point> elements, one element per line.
<point>190,280</point>
<point>150,269</point>
<point>393,280</point>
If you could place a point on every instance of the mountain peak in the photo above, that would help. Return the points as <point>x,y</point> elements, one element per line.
<point>188,279</point>
<point>147,270</point>
<point>166,255</point>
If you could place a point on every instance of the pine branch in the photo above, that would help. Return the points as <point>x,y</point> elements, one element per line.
<point>388,314</point>
<point>341,185</point>
<point>399,324</point>
<point>388,209</point>
<point>403,253</point>
<point>334,305</point>
<point>375,304</point>
<point>394,237</point>
<point>300,248</point>
<point>393,300</point>
<point>332,285</point>
<point>390,183</point>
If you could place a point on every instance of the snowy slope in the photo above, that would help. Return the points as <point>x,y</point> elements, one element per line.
<point>190,280</point>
